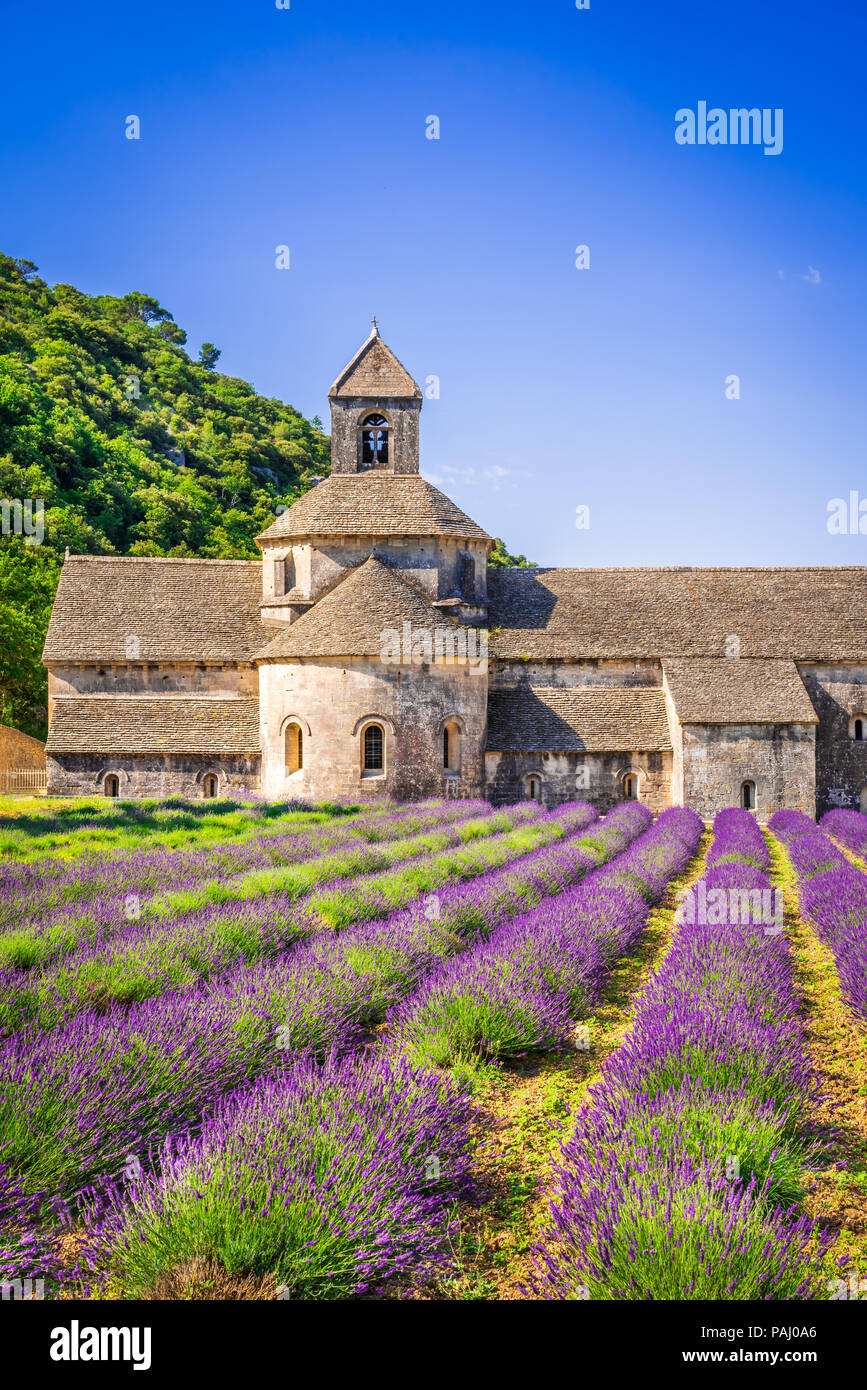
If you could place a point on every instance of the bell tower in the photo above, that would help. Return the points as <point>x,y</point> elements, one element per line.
<point>375,406</point>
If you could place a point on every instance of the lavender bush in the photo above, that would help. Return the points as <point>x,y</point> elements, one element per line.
<point>331,1178</point>
<point>849,827</point>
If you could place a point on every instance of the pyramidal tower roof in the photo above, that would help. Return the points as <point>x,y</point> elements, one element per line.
<point>373,504</point>
<point>375,372</point>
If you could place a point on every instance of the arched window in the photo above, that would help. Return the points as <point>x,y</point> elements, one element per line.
<point>534,788</point>
<point>451,748</point>
<point>630,787</point>
<point>112,785</point>
<point>374,441</point>
<point>748,796</point>
<point>210,785</point>
<point>373,748</point>
<point>294,748</point>
<point>859,730</point>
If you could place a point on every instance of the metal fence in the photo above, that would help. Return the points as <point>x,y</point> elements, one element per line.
<point>23,779</point>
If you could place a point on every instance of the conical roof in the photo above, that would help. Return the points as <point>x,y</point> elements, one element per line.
<point>352,618</point>
<point>373,504</point>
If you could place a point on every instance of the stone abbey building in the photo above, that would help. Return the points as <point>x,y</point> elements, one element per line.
<point>373,653</point>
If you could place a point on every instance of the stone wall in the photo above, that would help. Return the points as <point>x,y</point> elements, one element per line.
<point>159,775</point>
<point>19,750</point>
<point>574,776</point>
<point>332,700</point>
<point>779,758</point>
<point>507,674</point>
<point>403,435</point>
<point>431,564</point>
<point>677,796</point>
<point>838,693</point>
<point>154,678</point>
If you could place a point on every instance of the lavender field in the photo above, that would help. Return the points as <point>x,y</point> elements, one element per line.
<point>439,1051</point>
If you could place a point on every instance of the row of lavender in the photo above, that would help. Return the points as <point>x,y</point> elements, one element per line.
<point>77,1101</point>
<point>849,827</point>
<point>28,891</point>
<point>71,965</point>
<point>832,891</point>
<point>525,986</point>
<point>89,1101</point>
<point>39,937</point>
<point>679,1179</point>
<point>362,1162</point>
<point>44,839</point>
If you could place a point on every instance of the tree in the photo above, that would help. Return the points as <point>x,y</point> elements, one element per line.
<point>97,393</point>
<point>500,558</point>
<point>144,307</point>
<point>169,330</point>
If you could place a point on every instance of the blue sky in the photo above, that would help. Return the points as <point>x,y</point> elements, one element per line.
<point>559,388</point>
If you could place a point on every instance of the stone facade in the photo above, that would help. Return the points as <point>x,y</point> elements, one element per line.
<point>571,776</point>
<point>335,700</point>
<point>373,653</point>
<point>839,696</point>
<point>158,775</point>
<point>778,759</point>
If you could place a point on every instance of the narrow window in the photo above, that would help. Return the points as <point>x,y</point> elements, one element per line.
<point>283,576</point>
<point>374,442</point>
<point>859,729</point>
<point>467,577</point>
<point>748,796</point>
<point>451,748</point>
<point>210,785</point>
<point>373,748</point>
<point>630,787</point>
<point>294,748</point>
<point>112,785</point>
<point>534,788</point>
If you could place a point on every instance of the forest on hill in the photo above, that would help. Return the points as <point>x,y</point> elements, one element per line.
<point>114,440</point>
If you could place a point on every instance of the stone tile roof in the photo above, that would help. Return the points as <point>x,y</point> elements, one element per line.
<point>376,373</point>
<point>808,614</point>
<point>373,504</point>
<point>162,724</point>
<point>594,719</point>
<point>350,620</point>
<point>721,691</point>
<point>180,610</point>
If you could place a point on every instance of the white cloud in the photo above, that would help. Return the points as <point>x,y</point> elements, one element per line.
<point>495,477</point>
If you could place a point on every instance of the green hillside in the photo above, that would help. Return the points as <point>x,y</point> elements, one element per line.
<point>134,447</point>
